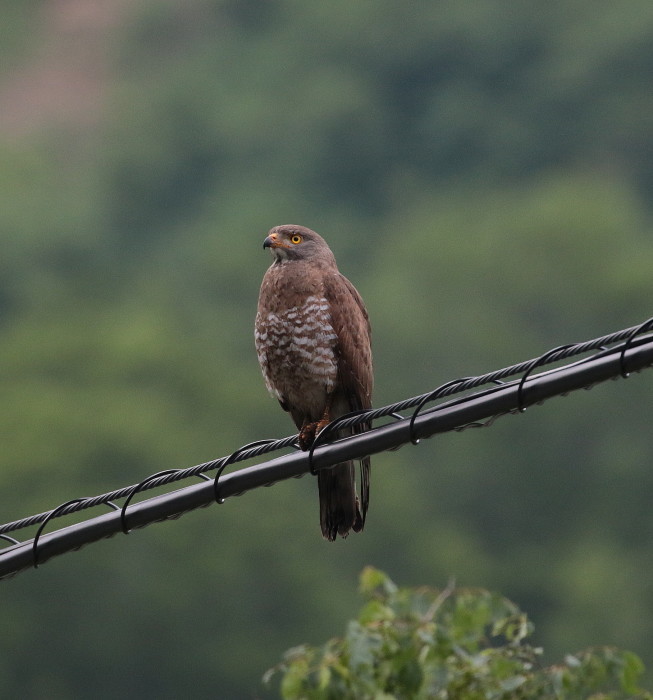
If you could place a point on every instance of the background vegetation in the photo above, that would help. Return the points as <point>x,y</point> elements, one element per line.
<point>483,172</point>
<point>467,643</point>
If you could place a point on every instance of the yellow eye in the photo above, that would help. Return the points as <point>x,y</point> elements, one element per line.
<point>296,239</point>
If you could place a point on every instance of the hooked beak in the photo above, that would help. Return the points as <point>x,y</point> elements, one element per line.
<point>272,241</point>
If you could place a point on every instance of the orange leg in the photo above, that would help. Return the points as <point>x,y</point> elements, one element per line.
<point>310,430</point>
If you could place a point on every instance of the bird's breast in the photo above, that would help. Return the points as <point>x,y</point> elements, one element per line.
<point>296,350</point>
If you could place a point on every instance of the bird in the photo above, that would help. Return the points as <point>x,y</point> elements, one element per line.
<point>313,341</point>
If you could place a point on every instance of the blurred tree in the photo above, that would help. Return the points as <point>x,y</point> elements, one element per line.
<point>453,643</point>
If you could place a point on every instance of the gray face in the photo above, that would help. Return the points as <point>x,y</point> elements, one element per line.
<point>290,242</point>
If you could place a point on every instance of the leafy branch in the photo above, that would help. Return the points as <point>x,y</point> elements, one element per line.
<point>451,643</point>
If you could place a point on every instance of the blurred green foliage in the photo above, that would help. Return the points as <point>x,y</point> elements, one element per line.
<point>450,643</point>
<point>482,171</point>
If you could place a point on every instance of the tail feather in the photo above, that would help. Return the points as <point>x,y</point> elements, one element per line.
<point>365,488</point>
<point>340,509</point>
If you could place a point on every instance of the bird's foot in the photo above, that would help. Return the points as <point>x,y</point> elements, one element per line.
<point>307,435</point>
<point>309,431</point>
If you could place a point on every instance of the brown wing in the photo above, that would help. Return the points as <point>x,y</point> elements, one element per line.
<point>354,349</point>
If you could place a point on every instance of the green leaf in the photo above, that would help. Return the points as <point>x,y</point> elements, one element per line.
<point>360,648</point>
<point>631,671</point>
<point>324,677</point>
<point>510,684</point>
<point>294,679</point>
<point>375,611</point>
<point>371,580</point>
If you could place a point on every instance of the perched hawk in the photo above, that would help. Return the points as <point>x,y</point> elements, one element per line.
<point>313,343</point>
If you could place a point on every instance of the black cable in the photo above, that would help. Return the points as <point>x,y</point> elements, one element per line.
<point>260,447</point>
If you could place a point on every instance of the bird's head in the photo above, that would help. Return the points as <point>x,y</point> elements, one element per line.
<point>290,242</point>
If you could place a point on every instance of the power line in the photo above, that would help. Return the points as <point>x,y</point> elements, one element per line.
<point>614,355</point>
